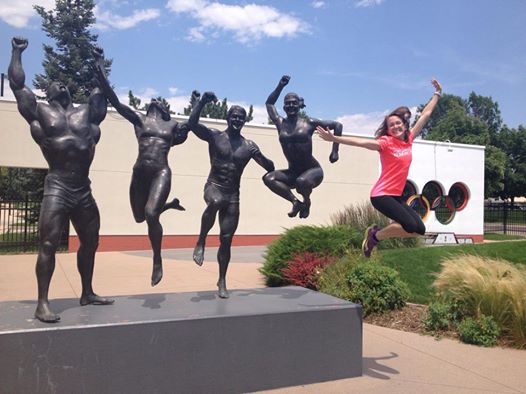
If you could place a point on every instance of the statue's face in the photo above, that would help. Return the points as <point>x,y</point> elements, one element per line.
<point>291,104</point>
<point>237,118</point>
<point>58,90</point>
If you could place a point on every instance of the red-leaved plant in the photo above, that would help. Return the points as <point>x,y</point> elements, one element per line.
<point>305,269</point>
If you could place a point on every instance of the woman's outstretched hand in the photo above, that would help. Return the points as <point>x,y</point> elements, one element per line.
<point>324,134</point>
<point>437,86</point>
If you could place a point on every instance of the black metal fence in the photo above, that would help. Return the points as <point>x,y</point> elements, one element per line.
<point>19,227</point>
<point>505,218</point>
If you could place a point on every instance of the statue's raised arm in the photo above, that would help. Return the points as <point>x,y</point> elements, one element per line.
<point>199,129</point>
<point>271,101</point>
<point>106,88</point>
<point>26,99</point>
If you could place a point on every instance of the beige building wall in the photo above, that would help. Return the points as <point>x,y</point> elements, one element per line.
<point>262,212</point>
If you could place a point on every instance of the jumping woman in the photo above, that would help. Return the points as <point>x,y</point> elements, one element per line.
<point>394,141</point>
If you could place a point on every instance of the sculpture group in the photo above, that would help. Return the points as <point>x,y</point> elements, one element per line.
<point>67,136</point>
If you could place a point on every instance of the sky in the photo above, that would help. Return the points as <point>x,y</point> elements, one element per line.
<point>351,60</point>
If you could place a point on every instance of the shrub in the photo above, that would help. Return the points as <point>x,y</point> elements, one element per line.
<point>333,279</point>
<point>305,269</point>
<point>438,316</point>
<point>361,216</point>
<point>325,241</point>
<point>483,331</point>
<point>482,286</point>
<point>376,287</point>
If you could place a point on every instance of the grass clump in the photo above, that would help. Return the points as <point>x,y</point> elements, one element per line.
<point>493,288</point>
<point>361,216</point>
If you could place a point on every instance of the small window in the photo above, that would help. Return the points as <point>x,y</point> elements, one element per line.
<point>459,194</point>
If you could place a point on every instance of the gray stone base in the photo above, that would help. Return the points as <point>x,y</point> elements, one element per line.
<point>182,343</point>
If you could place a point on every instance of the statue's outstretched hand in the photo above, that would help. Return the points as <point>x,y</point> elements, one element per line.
<point>284,80</point>
<point>208,97</point>
<point>19,43</point>
<point>333,158</point>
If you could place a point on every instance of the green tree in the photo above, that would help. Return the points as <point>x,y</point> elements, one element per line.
<point>475,121</point>
<point>133,101</point>
<point>17,183</point>
<point>71,62</point>
<point>513,143</point>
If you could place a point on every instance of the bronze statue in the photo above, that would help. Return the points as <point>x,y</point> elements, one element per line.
<point>67,136</point>
<point>229,153</point>
<point>151,179</point>
<point>295,136</point>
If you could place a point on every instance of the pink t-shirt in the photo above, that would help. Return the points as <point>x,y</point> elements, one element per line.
<point>395,157</point>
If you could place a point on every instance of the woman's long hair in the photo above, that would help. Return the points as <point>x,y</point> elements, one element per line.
<point>404,114</point>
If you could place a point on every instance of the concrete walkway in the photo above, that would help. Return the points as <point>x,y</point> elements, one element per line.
<point>393,361</point>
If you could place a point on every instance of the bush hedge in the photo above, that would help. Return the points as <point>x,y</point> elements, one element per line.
<point>322,240</point>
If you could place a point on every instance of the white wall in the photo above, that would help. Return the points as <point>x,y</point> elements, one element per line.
<point>262,212</point>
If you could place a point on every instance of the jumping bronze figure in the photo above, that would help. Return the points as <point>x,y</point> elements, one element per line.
<point>67,136</point>
<point>229,153</point>
<point>151,179</point>
<point>295,136</point>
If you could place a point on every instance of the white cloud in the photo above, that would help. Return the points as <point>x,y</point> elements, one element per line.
<point>368,3</point>
<point>248,23</point>
<point>366,123</point>
<point>177,102</point>
<point>318,4</point>
<point>17,13</point>
<point>108,20</point>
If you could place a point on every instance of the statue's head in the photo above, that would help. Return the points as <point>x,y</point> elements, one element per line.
<point>236,117</point>
<point>57,91</point>
<point>158,105</point>
<point>292,104</point>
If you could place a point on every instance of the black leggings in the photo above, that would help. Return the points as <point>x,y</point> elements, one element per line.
<point>396,209</point>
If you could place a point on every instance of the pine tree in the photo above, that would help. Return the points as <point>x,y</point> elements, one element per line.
<point>71,62</point>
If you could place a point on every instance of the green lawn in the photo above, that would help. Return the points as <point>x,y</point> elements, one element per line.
<point>501,237</point>
<point>417,266</point>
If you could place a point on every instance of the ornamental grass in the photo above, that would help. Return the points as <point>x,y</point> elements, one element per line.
<point>487,287</point>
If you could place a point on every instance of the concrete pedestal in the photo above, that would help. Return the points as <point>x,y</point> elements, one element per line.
<point>181,343</point>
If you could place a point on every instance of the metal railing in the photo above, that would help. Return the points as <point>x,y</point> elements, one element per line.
<point>505,218</point>
<point>19,227</point>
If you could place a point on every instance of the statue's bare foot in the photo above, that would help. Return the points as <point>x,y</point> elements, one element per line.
<point>44,313</point>
<point>199,254</point>
<point>305,210</point>
<point>297,206</point>
<point>94,299</point>
<point>157,273</point>
<point>174,204</point>
<point>222,291</point>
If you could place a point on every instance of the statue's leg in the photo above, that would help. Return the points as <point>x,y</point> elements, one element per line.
<point>139,190</point>
<point>53,219</point>
<point>304,185</point>
<point>213,201</point>
<point>228,221</point>
<point>280,182</point>
<point>159,190</point>
<point>86,220</point>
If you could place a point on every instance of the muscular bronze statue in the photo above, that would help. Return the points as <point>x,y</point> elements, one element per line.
<point>67,136</point>
<point>229,153</point>
<point>295,136</point>
<point>151,179</point>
